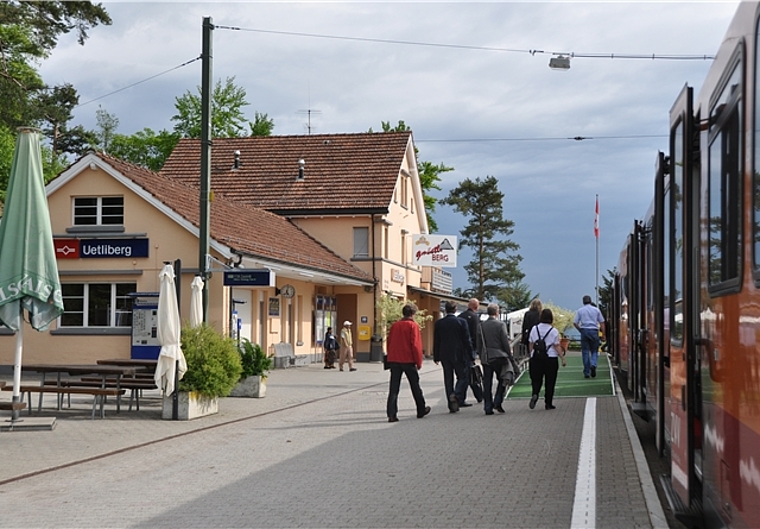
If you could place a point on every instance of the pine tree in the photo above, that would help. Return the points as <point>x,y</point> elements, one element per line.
<point>495,266</point>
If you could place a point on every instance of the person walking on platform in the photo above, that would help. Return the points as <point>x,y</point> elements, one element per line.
<point>405,356</point>
<point>330,344</point>
<point>590,322</point>
<point>472,318</point>
<point>453,349</point>
<point>495,355</point>
<point>545,354</point>
<point>346,347</point>
<point>530,320</point>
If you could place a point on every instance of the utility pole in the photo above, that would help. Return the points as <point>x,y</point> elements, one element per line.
<point>205,216</point>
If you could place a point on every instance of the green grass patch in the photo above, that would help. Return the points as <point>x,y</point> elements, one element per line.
<point>570,380</point>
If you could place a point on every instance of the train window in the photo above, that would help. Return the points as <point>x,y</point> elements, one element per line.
<point>677,243</point>
<point>724,187</point>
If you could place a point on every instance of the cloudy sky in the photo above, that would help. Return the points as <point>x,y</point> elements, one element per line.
<point>471,80</point>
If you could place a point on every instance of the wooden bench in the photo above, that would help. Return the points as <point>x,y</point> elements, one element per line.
<point>135,386</point>
<point>12,406</point>
<point>99,394</point>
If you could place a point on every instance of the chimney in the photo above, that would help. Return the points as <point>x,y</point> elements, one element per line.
<point>301,163</point>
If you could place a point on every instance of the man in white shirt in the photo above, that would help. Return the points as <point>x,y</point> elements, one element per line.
<point>589,321</point>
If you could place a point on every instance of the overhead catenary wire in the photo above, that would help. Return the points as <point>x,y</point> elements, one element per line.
<point>590,55</point>
<point>140,82</point>
<point>652,56</point>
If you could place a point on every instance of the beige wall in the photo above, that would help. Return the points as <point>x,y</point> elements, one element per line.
<point>169,241</point>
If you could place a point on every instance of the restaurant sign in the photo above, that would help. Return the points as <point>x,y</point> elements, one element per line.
<point>100,248</point>
<point>434,250</point>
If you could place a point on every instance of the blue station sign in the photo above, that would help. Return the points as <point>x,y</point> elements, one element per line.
<point>113,248</point>
<point>249,278</point>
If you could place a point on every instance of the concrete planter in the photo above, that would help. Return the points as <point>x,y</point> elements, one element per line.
<point>191,406</point>
<point>253,386</point>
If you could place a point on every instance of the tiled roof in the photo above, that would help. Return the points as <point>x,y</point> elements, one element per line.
<point>342,173</point>
<point>249,230</point>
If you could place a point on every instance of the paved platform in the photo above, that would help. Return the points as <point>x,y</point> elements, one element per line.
<point>318,451</point>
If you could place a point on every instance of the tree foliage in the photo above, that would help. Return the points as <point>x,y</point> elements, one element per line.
<point>605,293</point>
<point>261,125</point>
<point>390,311</point>
<point>145,148</point>
<point>28,33</point>
<point>227,117</point>
<point>515,296</point>
<point>495,265</point>
<point>428,172</point>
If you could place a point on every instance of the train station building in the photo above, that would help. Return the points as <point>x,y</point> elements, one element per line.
<point>331,217</point>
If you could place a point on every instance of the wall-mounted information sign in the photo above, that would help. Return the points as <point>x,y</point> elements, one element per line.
<point>145,326</point>
<point>249,278</point>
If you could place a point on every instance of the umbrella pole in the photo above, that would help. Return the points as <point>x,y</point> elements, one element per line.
<point>17,368</point>
<point>175,396</point>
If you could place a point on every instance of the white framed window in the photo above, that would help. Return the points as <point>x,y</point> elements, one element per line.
<point>99,211</point>
<point>361,242</point>
<point>97,305</point>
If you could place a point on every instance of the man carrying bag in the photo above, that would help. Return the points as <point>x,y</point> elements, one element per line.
<point>496,357</point>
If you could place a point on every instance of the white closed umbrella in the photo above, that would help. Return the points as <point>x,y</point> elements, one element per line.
<point>196,302</point>
<point>171,361</point>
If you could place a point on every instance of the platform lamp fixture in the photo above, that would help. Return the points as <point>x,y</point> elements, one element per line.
<point>560,62</point>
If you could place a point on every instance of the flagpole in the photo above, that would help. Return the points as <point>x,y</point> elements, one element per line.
<point>596,232</point>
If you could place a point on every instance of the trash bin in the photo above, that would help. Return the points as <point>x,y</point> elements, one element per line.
<point>376,348</point>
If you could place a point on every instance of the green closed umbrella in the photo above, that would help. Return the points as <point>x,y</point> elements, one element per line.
<point>28,271</point>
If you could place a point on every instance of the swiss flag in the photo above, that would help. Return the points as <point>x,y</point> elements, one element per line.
<point>596,219</point>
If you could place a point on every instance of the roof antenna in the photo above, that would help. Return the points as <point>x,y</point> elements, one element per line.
<point>309,112</point>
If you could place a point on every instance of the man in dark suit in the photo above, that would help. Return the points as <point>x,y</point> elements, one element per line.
<point>472,318</point>
<point>453,349</point>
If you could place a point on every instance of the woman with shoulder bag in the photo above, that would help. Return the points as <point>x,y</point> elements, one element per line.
<point>545,353</point>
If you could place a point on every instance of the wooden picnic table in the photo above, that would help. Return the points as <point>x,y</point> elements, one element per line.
<point>130,362</point>
<point>103,371</point>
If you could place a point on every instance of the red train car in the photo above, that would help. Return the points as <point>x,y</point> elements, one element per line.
<point>687,293</point>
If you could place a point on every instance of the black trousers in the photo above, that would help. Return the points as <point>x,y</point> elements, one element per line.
<point>413,377</point>
<point>544,371</point>
<point>489,370</point>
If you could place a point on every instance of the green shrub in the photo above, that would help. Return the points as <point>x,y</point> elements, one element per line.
<point>213,362</point>
<point>254,359</point>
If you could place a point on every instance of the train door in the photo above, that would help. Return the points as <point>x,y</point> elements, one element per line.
<point>634,312</point>
<point>659,343</point>
<point>683,301</point>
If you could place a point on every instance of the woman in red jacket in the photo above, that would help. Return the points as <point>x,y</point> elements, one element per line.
<point>405,356</point>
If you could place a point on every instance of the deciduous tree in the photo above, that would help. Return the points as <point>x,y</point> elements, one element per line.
<point>227,117</point>
<point>145,148</point>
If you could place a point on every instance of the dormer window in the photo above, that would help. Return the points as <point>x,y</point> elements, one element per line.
<point>99,211</point>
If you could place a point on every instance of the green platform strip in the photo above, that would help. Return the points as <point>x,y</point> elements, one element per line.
<point>570,380</point>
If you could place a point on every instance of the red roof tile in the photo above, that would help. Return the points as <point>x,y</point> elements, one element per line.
<point>249,230</point>
<point>342,173</point>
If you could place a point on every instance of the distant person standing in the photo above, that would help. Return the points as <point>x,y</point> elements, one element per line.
<point>330,345</point>
<point>495,355</point>
<point>472,318</point>
<point>453,349</point>
<point>530,320</point>
<point>546,362</point>
<point>590,322</point>
<point>405,356</point>
<point>346,347</point>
